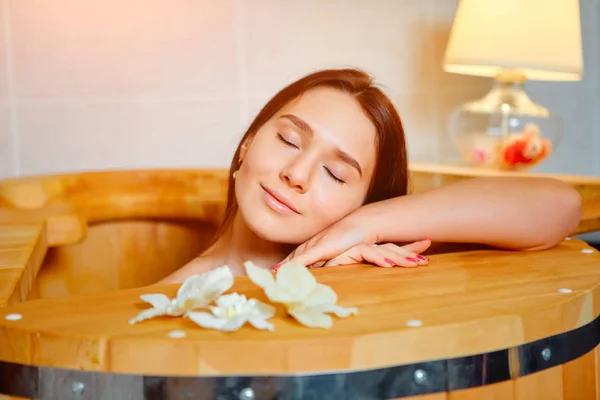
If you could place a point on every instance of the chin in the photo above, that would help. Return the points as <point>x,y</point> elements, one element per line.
<point>270,226</point>
<point>273,228</point>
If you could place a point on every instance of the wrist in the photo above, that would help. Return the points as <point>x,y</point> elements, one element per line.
<point>363,217</point>
<point>399,219</point>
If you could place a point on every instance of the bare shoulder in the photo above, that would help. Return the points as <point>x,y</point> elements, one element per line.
<point>198,265</point>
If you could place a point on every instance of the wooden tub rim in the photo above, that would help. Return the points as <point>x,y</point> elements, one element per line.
<point>398,381</point>
<point>57,208</point>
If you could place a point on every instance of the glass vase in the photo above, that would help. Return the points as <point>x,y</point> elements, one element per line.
<point>505,129</point>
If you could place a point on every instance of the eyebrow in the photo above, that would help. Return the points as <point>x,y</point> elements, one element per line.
<point>305,127</point>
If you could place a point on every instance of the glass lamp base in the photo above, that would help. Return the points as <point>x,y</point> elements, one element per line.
<point>504,129</point>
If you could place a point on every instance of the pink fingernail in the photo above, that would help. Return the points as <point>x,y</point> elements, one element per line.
<point>387,260</point>
<point>420,257</point>
<point>412,259</point>
<point>275,268</point>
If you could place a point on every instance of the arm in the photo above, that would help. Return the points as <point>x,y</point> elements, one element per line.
<point>506,212</point>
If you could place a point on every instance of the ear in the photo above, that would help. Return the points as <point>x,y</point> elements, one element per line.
<point>244,148</point>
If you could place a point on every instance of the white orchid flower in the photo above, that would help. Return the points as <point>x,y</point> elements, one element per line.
<point>234,310</point>
<point>304,299</point>
<point>197,291</point>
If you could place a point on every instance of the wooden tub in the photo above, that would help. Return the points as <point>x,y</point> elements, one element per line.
<point>76,252</point>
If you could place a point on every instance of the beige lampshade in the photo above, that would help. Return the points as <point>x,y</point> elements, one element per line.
<point>539,38</point>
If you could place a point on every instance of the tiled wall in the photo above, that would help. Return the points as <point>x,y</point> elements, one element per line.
<point>105,84</point>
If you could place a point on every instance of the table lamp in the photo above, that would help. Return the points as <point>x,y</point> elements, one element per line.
<point>511,41</point>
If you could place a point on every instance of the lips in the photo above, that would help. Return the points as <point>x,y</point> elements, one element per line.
<point>278,202</point>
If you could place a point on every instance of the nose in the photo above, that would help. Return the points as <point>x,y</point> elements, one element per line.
<point>297,174</point>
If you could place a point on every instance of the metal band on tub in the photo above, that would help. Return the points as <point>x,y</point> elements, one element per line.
<point>444,375</point>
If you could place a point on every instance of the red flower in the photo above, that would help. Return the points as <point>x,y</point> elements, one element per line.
<point>515,153</point>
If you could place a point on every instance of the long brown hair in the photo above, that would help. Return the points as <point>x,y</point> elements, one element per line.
<point>390,178</point>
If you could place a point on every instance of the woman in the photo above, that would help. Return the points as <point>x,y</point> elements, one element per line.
<point>320,178</point>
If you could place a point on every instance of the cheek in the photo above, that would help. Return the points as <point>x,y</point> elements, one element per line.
<point>262,158</point>
<point>331,205</point>
<point>255,169</point>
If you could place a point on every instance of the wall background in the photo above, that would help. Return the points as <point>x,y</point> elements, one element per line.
<point>87,85</point>
<point>109,84</point>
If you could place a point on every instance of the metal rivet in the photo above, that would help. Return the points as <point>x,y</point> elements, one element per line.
<point>247,394</point>
<point>564,290</point>
<point>420,376</point>
<point>546,354</point>
<point>78,387</point>
<point>587,251</point>
<point>414,322</point>
<point>13,317</point>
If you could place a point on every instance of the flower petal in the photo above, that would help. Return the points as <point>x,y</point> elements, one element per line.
<point>234,323</point>
<point>312,318</point>
<point>228,303</point>
<point>261,323</point>
<point>207,320</point>
<point>321,296</point>
<point>263,310</point>
<point>204,319</point>
<point>341,312</point>
<point>294,283</point>
<point>147,314</point>
<point>218,312</point>
<point>323,299</point>
<point>231,299</point>
<point>188,285</point>
<point>260,276</point>
<point>158,300</point>
<point>219,278</point>
<point>218,281</point>
<point>200,290</point>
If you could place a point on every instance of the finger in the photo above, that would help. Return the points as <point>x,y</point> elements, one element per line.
<point>376,255</point>
<point>398,257</point>
<point>308,257</point>
<point>291,255</point>
<point>342,259</point>
<point>402,256</point>
<point>350,256</point>
<point>318,264</point>
<point>418,247</point>
<point>297,250</point>
<point>317,253</point>
<point>386,255</point>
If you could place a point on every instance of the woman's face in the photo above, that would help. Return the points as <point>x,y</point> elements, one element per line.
<point>307,167</point>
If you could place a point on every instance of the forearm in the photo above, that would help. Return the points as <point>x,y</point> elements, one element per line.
<point>511,213</point>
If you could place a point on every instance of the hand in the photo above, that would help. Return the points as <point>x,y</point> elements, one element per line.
<point>339,238</point>
<point>385,255</point>
<point>330,243</point>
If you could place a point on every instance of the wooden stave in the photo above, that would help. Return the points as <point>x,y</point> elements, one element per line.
<point>400,381</point>
<point>523,310</point>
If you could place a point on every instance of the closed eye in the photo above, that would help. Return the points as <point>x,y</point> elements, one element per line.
<point>335,178</point>
<point>287,143</point>
<point>331,174</point>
